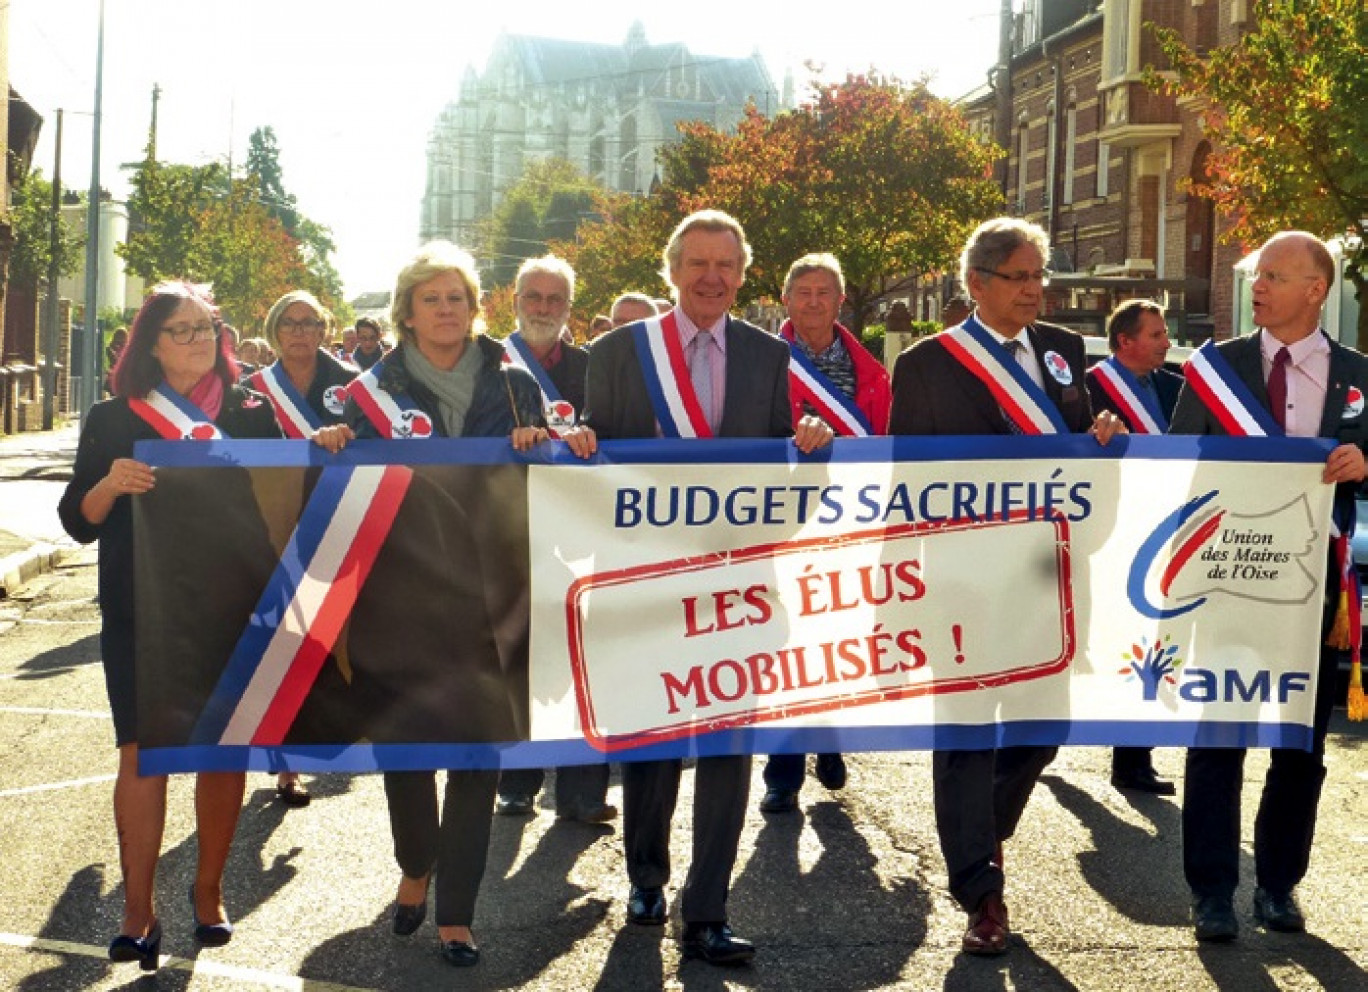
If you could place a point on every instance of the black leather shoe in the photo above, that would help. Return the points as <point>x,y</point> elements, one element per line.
<point>602,813</point>
<point>1278,912</point>
<point>1213,920</point>
<point>516,805</point>
<point>779,801</point>
<point>407,919</point>
<point>715,944</point>
<point>1143,780</point>
<point>831,771</point>
<point>646,906</point>
<point>459,954</point>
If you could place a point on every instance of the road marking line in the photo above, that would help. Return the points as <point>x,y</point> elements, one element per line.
<point>52,786</point>
<point>200,966</point>
<point>43,711</point>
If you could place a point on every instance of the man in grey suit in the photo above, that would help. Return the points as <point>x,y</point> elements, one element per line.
<point>738,376</point>
<point>1313,387</point>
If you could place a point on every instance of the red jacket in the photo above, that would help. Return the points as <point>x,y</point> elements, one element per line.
<point>873,389</point>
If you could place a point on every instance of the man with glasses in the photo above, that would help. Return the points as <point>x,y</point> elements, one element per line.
<point>999,372</point>
<point>544,289</point>
<point>1312,386</point>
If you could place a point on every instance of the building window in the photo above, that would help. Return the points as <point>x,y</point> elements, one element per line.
<point>1023,147</point>
<point>1070,139</point>
<point>1051,156</point>
<point>1103,169</point>
<point>1119,36</point>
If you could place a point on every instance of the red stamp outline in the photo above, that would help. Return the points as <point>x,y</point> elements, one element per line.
<point>670,732</point>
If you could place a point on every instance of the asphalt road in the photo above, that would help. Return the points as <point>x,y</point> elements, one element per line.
<point>847,895</point>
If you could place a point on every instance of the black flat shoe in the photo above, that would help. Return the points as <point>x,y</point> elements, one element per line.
<point>1143,780</point>
<point>646,906</point>
<point>1213,920</point>
<point>459,954</point>
<point>209,934</point>
<point>144,950</point>
<point>1278,912</point>
<point>715,944</point>
<point>831,771</point>
<point>779,801</point>
<point>408,919</point>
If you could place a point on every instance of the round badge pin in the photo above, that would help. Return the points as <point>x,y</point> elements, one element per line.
<point>1059,368</point>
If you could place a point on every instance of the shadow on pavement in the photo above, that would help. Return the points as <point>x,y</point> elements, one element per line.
<point>1132,868</point>
<point>60,660</point>
<point>1020,968</point>
<point>797,917</point>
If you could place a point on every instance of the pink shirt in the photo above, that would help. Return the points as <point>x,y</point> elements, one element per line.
<point>1308,374</point>
<point>717,359</point>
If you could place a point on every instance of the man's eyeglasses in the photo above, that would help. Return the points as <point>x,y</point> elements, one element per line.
<point>309,325</point>
<point>554,300</point>
<point>190,333</point>
<point>1279,278</point>
<point>1041,276</point>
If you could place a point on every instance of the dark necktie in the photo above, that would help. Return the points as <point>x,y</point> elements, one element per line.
<point>1015,350</point>
<point>1277,387</point>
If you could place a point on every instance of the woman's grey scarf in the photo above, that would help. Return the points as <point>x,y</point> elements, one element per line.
<point>453,389</point>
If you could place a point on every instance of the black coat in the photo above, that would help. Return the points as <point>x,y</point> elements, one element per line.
<point>933,393</point>
<point>110,431</point>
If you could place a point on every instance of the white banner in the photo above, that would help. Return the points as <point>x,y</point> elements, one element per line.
<point>1014,590</point>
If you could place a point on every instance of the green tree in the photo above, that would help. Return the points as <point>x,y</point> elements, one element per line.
<point>884,175</point>
<point>1287,114</point>
<point>263,164</point>
<point>546,203</point>
<point>31,218</point>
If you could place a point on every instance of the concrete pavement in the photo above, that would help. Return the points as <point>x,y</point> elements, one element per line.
<point>847,895</point>
<point>33,468</point>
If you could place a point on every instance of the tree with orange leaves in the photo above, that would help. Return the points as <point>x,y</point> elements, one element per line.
<point>1288,119</point>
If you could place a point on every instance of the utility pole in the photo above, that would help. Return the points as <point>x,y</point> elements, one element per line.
<point>94,365</point>
<point>50,308</point>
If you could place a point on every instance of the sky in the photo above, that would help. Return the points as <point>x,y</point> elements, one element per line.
<point>352,87</point>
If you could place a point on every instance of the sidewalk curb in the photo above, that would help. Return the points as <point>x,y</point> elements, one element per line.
<point>23,566</point>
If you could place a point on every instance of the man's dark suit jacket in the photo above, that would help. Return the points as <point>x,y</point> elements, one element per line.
<point>934,394</point>
<point>1167,386</point>
<point>568,375</point>
<point>1347,368</point>
<point>757,399</point>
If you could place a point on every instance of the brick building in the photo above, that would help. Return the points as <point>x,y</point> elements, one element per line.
<point>1099,159</point>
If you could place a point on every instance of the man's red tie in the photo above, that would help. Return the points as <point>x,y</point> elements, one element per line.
<point>1277,387</point>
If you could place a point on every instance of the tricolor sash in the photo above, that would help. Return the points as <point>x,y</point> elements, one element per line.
<point>1139,406</point>
<point>1225,394</point>
<point>393,416</point>
<point>560,415</point>
<point>1023,402</point>
<point>814,387</point>
<point>296,418</point>
<point>304,605</point>
<point>668,382</point>
<point>173,416</point>
<point>1240,413</point>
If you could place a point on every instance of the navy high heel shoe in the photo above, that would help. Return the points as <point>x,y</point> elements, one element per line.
<point>144,950</point>
<point>209,934</point>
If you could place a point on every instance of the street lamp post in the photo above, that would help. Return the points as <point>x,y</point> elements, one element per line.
<point>50,307</point>
<point>95,359</point>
